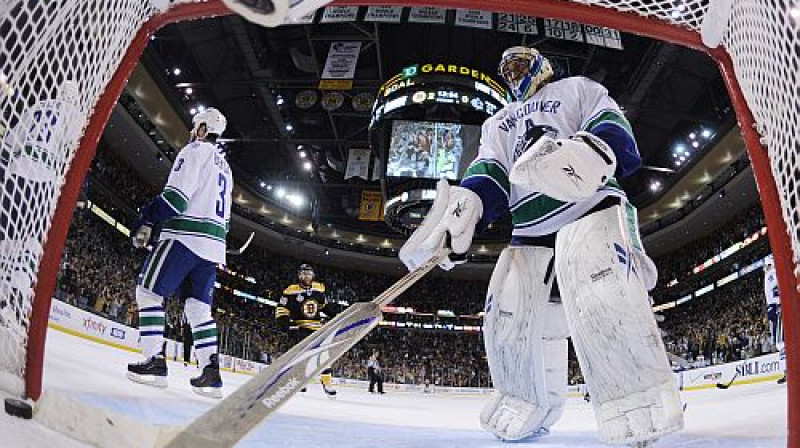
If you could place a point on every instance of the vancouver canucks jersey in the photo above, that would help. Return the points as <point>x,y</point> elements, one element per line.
<point>559,110</point>
<point>199,190</point>
<point>771,288</point>
<point>303,305</point>
<point>38,146</point>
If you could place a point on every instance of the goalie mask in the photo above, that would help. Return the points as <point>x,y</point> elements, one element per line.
<point>525,71</point>
<point>212,119</point>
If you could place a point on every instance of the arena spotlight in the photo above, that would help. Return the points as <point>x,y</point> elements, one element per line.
<point>655,186</point>
<point>302,154</point>
<point>706,133</point>
<point>289,127</point>
<point>263,184</point>
<point>693,136</point>
<point>280,193</point>
<point>176,71</point>
<point>307,166</point>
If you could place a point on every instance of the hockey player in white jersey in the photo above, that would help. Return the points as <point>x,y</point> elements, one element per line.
<point>34,153</point>
<point>774,308</point>
<point>551,158</point>
<point>193,212</point>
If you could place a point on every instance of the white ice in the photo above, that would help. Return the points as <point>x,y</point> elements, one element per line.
<point>743,416</point>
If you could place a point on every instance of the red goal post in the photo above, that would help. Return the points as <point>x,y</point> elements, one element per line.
<point>758,60</point>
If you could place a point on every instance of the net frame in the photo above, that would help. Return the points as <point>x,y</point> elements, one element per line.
<point>651,19</point>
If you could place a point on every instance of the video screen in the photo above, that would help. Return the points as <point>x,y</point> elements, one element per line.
<point>431,150</point>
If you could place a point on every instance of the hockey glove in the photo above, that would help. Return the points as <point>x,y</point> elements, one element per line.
<point>455,213</point>
<point>568,170</point>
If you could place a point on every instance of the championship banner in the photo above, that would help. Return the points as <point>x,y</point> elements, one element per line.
<point>384,14</point>
<point>371,206</point>
<point>339,14</point>
<point>340,67</point>
<point>474,18</point>
<point>358,164</point>
<point>427,14</point>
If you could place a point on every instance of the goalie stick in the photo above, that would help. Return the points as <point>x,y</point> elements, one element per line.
<point>243,248</point>
<point>241,411</point>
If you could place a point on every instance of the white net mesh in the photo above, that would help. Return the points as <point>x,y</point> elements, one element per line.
<point>57,57</point>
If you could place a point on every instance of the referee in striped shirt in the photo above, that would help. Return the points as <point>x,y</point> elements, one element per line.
<point>374,372</point>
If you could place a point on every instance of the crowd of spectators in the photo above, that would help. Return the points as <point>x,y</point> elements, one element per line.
<point>100,266</point>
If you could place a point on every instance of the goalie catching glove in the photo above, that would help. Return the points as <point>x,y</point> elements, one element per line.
<point>568,170</point>
<point>455,212</point>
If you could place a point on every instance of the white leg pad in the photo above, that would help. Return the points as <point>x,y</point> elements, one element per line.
<point>619,347</point>
<point>526,346</point>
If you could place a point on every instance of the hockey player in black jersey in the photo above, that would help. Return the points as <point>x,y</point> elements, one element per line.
<point>301,311</point>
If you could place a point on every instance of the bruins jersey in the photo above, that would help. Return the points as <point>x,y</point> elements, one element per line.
<point>302,306</point>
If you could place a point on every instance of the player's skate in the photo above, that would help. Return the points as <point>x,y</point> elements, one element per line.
<point>209,383</point>
<point>329,391</point>
<point>152,372</point>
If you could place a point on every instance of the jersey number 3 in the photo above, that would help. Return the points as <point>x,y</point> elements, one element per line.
<point>222,182</point>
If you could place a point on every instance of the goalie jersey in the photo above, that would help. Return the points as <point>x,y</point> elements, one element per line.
<point>199,191</point>
<point>302,306</point>
<point>559,110</point>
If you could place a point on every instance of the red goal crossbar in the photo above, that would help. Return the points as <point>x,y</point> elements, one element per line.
<point>593,15</point>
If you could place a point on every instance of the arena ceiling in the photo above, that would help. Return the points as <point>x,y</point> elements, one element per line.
<point>260,78</point>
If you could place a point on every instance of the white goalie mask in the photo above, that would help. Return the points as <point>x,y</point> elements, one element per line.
<point>213,119</point>
<point>524,70</point>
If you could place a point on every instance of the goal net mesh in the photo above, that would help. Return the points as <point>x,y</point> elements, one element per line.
<point>57,58</point>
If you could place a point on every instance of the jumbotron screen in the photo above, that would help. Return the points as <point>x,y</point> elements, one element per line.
<point>431,150</point>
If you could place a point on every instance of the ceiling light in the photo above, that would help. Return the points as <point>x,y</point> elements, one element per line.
<point>655,186</point>
<point>295,199</point>
<point>289,127</point>
<point>307,166</point>
<point>686,153</point>
<point>302,154</point>
<point>680,148</point>
<point>189,90</point>
<point>706,133</point>
<point>683,159</point>
<point>201,108</point>
<point>263,184</point>
<point>693,136</point>
<point>280,193</point>
<point>279,101</point>
<point>176,71</point>
<point>269,187</point>
<point>695,144</point>
<point>193,111</point>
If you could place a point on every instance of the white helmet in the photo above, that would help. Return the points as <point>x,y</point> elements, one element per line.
<point>213,119</point>
<point>524,70</point>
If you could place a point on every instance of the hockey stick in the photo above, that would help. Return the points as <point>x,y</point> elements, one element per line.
<point>241,250</point>
<point>236,415</point>
<point>725,386</point>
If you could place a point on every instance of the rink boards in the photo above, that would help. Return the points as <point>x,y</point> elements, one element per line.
<point>77,322</point>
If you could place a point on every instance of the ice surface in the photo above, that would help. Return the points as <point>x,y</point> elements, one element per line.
<point>743,416</point>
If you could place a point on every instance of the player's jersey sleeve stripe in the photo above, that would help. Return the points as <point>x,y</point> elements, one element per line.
<point>491,169</point>
<point>608,116</point>
<point>175,199</point>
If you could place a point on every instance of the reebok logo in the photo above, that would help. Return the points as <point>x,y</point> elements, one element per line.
<point>275,399</point>
<point>600,274</point>
<point>571,174</point>
<point>458,210</point>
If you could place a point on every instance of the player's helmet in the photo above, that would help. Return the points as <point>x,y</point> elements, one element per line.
<point>213,119</point>
<point>524,70</point>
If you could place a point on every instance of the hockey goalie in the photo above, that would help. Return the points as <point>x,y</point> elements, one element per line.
<point>551,158</point>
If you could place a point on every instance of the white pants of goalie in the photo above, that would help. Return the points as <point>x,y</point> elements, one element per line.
<point>619,348</point>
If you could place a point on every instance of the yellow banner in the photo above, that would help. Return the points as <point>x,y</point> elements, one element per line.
<point>371,206</point>
<point>335,84</point>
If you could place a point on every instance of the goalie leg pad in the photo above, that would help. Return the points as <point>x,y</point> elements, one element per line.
<point>526,346</point>
<point>204,330</point>
<point>618,344</point>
